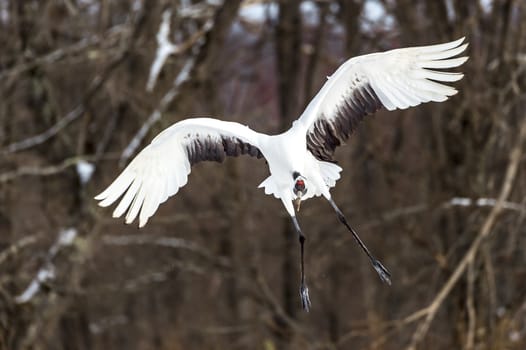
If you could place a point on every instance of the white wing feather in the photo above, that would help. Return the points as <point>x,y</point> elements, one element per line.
<point>401,78</point>
<point>161,168</point>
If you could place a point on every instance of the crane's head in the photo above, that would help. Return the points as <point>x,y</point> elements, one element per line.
<point>300,188</point>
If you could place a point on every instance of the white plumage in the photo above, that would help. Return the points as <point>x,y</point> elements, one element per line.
<point>400,78</point>
<point>300,159</point>
<point>160,169</point>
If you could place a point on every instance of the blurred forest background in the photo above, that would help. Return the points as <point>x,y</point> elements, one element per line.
<point>438,192</point>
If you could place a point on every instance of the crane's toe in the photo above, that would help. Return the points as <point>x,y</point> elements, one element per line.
<point>305,300</point>
<point>384,274</point>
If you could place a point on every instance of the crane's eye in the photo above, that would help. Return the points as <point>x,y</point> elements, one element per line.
<point>300,185</point>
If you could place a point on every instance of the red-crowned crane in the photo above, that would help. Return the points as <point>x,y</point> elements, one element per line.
<point>300,160</point>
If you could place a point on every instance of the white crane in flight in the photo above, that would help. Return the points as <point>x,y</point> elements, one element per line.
<point>300,160</point>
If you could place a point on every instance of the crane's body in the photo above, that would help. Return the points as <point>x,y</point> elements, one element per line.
<point>300,159</point>
<point>288,155</point>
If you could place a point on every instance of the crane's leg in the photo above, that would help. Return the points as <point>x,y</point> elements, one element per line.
<point>384,274</point>
<point>304,290</point>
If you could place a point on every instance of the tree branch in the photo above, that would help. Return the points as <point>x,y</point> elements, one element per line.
<point>484,232</point>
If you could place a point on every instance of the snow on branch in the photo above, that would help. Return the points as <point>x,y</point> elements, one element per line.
<point>165,49</point>
<point>84,166</point>
<point>85,171</point>
<point>183,76</point>
<point>483,202</point>
<point>47,272</point>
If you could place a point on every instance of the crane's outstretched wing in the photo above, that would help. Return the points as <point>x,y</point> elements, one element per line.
<point>161,168</point>
<point>393,79</point>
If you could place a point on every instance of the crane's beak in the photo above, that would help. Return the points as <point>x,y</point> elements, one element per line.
<point>297,201</point>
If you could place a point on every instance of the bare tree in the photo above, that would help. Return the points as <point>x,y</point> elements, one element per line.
<point>438,190</point>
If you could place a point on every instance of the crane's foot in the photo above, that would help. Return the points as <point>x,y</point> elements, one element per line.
<point>384,274</point>
<point>304,294</point>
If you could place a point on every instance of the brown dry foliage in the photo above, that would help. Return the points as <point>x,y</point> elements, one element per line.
<point>217,266</point>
